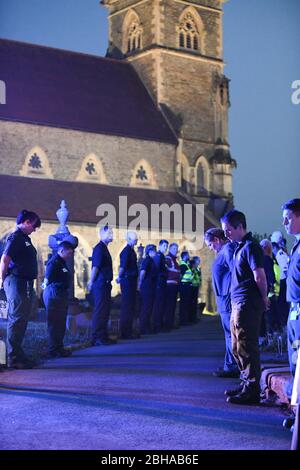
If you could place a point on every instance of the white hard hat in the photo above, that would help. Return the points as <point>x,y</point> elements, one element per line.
<point>276,237</point>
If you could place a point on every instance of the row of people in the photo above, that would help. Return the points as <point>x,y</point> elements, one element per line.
<point>159,281</point>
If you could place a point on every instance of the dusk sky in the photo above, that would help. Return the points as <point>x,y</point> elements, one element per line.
<point>262,52</point>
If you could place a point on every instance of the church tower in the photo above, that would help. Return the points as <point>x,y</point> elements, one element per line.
<point>176,48</point>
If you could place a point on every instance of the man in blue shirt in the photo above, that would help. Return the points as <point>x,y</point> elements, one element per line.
<point>291,221</point>
<point>221,280</point>
<point>100,286</point>
<point>249,298</point>
<point>128,274</point>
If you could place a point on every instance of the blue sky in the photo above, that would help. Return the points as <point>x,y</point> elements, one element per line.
<point>262,52</point>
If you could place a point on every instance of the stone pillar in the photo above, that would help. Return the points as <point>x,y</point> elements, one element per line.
<point>63,234</point>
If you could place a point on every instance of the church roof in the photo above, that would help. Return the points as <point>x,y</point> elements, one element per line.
<point>64,89</point>
<point>82,199</point>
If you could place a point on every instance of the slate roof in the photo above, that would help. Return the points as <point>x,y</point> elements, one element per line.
<point>82,199</point>
<point>71,90</point>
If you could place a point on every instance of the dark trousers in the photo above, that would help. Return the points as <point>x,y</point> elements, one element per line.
<point>159,306</point>
<point>170,307</point>
<point>185,303</point>
<point>19,297</point>
<point>56,303</point>
<point>224,309</point>
<point>194,304</point>
<point>244,325</point>
<point>102,299</point>
<point>128,291</point>
<point>293,337</point>
<point>283,305</point>
<point>147,299</point>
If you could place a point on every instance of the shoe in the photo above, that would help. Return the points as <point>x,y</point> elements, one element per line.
<point>104,342</point>
<point>226,374</point>
<point>64,353</point>
<point>245,398</point>
<point>289,422</point>
<point>20,365</point>
<point>234,391</point>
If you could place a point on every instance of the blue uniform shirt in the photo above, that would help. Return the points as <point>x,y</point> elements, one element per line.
<point>293,275</point>
<point>23,256</point>
<point>149,267</point>
<point>221,270</point>
<point>128,261</point>
<point>247,257</point>
<point>162,271</point>
<point>101,259</point>
<point>57,272</point>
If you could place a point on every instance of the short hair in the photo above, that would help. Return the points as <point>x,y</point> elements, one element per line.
<point>292,205</point>
<point>163,241</point>
<point>29,215</point>
<point>173,244</point>
<point>149,248</point>
<point>214,232</point>
<point>235,218</point>
<point>196,258</point>
<point>65,245</point>
<point>184,253</point>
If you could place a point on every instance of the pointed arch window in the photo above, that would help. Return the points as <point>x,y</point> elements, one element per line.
<point>36,164</point>
<point>190,31</point>
<point>202,176</point>
<point>132,33</point>
<point>143,175</point>
<point>92,170</point>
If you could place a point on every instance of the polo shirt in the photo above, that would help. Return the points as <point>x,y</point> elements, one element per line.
<point>128,261</point>
<point>57,272</point>
<point>247,257</point>
<point>101,259</point>
<point>293,275</point>
<point>23,256</point>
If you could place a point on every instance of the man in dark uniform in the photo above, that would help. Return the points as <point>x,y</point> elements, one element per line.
<point>56,284</point>
<point>161,286</point>
<point>18,269</point>
<point>100,286</point>
<point>249,299</point>
<point>128,274</point>
<point>221,281</point>
<point>291,221</point>
<point>146,287</point>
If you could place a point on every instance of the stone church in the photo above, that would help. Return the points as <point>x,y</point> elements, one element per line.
<point>148,121</point>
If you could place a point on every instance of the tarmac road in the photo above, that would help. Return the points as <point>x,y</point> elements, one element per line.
<point>156,393</point>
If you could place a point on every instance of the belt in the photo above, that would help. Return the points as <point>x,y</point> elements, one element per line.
<point>295,304</point>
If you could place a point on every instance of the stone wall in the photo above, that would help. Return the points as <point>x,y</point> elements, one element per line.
<point>65,151</point>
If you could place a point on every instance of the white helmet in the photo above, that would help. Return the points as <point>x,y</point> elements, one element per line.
<point>276,237</point>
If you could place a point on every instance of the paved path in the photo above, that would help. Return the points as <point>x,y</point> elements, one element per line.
<point>153,393</point>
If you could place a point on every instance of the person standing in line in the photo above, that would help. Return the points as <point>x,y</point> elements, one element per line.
<point>128,275</point>
<point>291,222</point>
<point>18,270</point>
<point>161,286</point>
<point>100,286</point>
<point>282,260</point>
<point>249,298</point>
<point>56,285</point>
<point>221,279</point>
<point>186,279</point>
<point>196,284</point>
<point>173,281</point>
<point>146,287</point>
